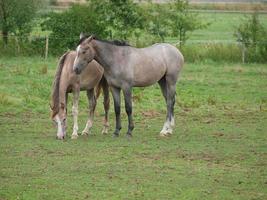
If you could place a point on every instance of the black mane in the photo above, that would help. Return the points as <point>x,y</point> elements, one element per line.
<point>114,42</point>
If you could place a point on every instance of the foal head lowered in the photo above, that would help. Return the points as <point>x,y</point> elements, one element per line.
<point>85,54</point>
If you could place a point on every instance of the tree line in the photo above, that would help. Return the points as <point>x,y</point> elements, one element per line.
<point>141,24</point>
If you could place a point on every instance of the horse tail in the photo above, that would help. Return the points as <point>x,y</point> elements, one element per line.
<point>55,91</point>
<point>98,89</point>
<point>103,84</point>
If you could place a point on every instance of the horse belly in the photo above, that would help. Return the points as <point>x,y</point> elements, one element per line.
<point>146,75</point>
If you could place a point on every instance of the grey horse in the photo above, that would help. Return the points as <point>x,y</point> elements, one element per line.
<point>126,67</point>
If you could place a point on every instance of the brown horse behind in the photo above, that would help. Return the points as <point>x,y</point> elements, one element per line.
<point>66,81</point>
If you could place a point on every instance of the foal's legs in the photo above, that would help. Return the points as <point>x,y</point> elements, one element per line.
<point>128,107</point>
<point>76,93</point>
<point>106,107</point>
<point>117,107</point>
<point>92,105</point>
<point>169,91</point>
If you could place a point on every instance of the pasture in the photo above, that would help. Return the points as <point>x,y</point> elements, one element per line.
<point>218,149</point>
<point>221,28</point>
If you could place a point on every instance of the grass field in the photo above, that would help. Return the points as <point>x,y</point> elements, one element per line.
<point>218,149</point>
<point>222,26</point>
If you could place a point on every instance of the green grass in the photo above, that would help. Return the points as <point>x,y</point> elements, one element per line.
<point>218,149</point>
<point>222,27</point>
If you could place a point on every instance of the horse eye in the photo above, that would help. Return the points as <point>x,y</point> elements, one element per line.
<point>83,52</point>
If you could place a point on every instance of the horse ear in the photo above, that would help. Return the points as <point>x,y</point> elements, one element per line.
<point>82,35</point>
<point>89,39</point>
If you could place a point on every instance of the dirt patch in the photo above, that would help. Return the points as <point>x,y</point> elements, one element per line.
<point>150,113</point>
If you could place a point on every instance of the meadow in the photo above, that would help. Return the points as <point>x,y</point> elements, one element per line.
<point>221,28</point>
<point>218,149</point>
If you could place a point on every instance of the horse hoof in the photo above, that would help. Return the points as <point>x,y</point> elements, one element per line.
<point>60,138</point>
<point>85,133</point>
<point>165,134</point>
<point>129,136</point>
<point>74,136</point>
<point>104,132</point>
<point>115,135</point>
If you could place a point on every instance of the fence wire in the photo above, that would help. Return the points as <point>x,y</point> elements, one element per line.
<point>44,49</point>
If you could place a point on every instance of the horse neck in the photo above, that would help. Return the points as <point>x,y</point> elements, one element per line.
<point>105,53</point>
<point>63,87</point>
<point>62,92</point>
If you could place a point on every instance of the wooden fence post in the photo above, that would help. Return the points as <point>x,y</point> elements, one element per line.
<point>243,53</point>
<point>17,44</point>
<point>46,46</point>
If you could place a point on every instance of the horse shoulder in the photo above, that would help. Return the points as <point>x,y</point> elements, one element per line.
<point>91,75</point>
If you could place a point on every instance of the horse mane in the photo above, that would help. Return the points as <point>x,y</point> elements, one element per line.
<point>56,83</point>
<point>114,42</point>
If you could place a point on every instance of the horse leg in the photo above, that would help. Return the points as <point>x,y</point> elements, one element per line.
<point>170,100</point>
<point>106,107</point>
<point>128,107</point>
<point>163,87</point>
<point>76,92</point>
<point>92,105</point>
<point>117,107</point>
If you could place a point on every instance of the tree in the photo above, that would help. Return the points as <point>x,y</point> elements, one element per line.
<point>120,18</point>
<point>66,27</point>
<point>250,31</point>
<point>16,16</point>
<point>252,34</point>
<point>183,21</point>
<point>158,20</point>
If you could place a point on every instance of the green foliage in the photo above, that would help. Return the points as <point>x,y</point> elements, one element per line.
<point>107,19</point>
<point>119,18</point>
<point>16,17</point>
<point>158,20</point>
<point>253,35</point>
<point>171,19</point>
<point>66,27</point>
<point>183,21</point>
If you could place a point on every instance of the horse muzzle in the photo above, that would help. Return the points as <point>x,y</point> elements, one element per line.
<point>77,70</point>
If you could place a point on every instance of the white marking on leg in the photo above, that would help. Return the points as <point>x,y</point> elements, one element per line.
<point>167,129</point>
<point>75,123</point>
<point>105,127</point>
<point>75,114</point>
<point>172,121</point>
<point>60,133</point>
<point>87,128</point>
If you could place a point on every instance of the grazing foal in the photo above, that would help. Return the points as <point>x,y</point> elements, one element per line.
<point>66,81</point>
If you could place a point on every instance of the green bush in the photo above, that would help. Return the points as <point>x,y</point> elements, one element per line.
<point>66,27</point>
<point>253,35</point>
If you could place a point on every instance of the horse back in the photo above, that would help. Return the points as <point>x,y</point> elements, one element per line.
<point>154,62</point>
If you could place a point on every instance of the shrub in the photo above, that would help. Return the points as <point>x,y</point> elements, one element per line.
<point>253,36</point>
<point>66,27</point>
